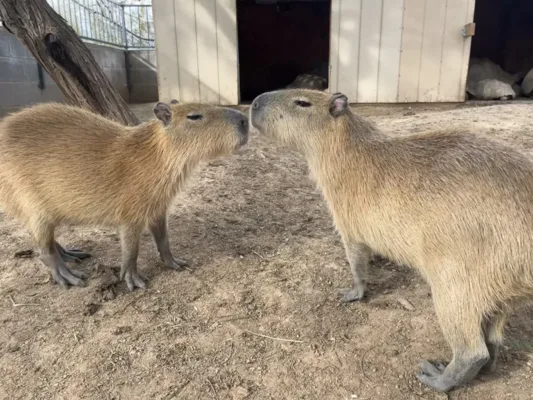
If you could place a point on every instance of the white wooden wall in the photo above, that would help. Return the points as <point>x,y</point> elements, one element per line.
<point>197,52</point>
<point>382,51</point>
<point>400,50</point>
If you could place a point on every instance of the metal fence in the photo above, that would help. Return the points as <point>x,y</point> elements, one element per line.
<point>125,25</point>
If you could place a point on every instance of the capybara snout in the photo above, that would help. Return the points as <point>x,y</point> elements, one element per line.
<point>225,128</point>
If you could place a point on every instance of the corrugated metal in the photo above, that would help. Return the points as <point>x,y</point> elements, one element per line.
<point>196,46</point>
<point>391,51</point>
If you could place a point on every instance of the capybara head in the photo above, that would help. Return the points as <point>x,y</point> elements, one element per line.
<point>298,117</point>
<point>210,130</point>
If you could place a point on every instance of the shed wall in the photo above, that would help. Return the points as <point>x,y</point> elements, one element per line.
<point>389,51</point>
<point>196,46</point>
<point>383,51</point>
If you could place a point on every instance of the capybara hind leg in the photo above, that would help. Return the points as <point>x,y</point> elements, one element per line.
<point>44,236</point>
<point>130,237</point>
<point>358,255</point>
<point>160,234</point>
<point>461,326</point>
<point>71,255</point>
<point>494,328</point>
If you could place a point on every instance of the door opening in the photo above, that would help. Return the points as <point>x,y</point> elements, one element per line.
<point>280,40</point>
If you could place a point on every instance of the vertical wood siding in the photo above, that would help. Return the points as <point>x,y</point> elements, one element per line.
<point>382,51</point>
<point>196,47</point>
<point>389,51</point>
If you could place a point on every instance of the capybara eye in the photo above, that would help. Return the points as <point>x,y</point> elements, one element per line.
<point>194,117</point>
<point>302,103</point>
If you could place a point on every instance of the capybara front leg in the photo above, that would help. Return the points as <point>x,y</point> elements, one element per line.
<point>160,234</point>
<point>130,238</point>
<point>358,255</point>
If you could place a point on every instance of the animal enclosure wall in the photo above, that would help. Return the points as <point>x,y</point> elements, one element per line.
<point>196,47</point>
<point>400,50</point>
<point>382,51</point>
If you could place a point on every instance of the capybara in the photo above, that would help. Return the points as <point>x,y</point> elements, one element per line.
<point>455,205</point>
<point>65,165</point>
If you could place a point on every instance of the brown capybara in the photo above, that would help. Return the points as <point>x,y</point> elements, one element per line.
<point>65,165</point>
<point>456,206</point>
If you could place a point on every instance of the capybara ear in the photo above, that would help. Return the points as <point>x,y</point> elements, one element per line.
<point>174,101</point>
<point>163,113</point>
<point>338,104</point>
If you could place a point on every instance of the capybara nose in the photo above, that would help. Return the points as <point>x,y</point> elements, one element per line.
<point>259,102</point>
<point>257,109</point>
<point>243,126</point>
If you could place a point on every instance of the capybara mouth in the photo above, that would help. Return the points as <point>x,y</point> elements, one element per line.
<point>243,140</point>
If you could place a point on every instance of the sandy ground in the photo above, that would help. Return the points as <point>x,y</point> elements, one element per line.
<point>259,318</point>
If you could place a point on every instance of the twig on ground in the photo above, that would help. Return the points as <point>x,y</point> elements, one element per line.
<point>212,388</point>
<point>273,338</point>
<point>14,304</point>
<point>259,255</point>
<point>231,354</point>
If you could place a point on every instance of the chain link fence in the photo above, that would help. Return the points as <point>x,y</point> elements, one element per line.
<point>126,25</point>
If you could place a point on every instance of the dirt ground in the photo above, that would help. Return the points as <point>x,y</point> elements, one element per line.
<point>259,317</point>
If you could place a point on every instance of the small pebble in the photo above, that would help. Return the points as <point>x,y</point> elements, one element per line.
<point>13,346</point>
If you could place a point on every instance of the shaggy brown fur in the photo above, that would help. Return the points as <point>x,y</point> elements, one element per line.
<point>456,206</point>
<point>65,165</point>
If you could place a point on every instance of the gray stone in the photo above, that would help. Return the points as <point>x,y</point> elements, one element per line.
<point>491,89</point>
<point>527,84</point>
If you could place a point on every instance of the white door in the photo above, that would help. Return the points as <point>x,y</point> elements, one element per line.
<point>197,54</point>
<point>389,51</point>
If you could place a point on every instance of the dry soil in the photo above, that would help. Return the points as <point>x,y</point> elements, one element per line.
<point>259,317</point>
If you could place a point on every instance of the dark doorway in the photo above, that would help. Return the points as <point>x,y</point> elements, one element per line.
<point>279,40</point>
<point>504,35</point>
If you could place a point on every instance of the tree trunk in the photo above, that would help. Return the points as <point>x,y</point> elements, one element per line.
<point>65,57</point>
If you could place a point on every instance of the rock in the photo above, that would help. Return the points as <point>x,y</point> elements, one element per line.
<point>527,84</point>
<point>517,90</point>
<point>481,69</point>
<point>488,81</point>
<point>491,89</point>
<point>308,81</point>
<point>12,346</point>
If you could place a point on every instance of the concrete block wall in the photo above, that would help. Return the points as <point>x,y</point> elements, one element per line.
<point>143,76</point>
<point>113,63</point>
<point>19,78</point>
